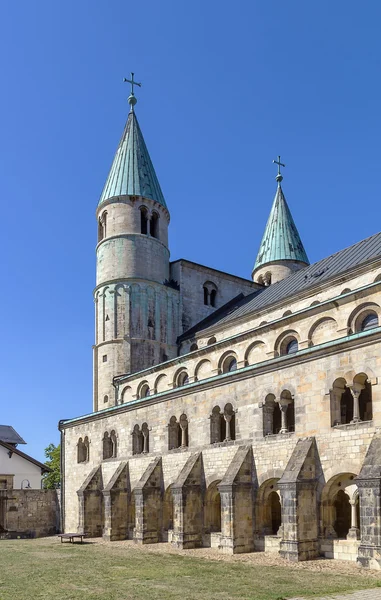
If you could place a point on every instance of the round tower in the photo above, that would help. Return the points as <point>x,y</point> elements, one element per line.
<point>135,305</point>
<point>281,252</point>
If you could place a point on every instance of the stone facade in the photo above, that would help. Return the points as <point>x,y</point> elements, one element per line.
<point>214,425</point>
<point>30,513</point>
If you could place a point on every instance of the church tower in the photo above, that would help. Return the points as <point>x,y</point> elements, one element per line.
<point>136,307</point>
<point>281,252</point>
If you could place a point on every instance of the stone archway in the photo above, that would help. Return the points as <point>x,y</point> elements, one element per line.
<point>268,516</point>
<point>212,509</point>
<point>340,507</point>
<point>167,514</point>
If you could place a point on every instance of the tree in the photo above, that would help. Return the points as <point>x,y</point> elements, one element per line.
<point>52,479</point>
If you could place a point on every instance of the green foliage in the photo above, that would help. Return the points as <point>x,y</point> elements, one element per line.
<point>52,480</point>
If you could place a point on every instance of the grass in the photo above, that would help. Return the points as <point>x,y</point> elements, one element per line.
<point>46,569</point>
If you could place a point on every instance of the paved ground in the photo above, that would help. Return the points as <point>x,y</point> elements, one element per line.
<point>362,595</point>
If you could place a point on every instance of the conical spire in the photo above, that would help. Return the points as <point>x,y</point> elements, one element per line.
<point>132,172</point>
<point>281,240</point>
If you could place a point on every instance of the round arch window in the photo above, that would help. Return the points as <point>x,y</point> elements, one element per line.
<point>145,391</point>
<point>370,322</point>
<point>292,346</point>
<point>230,364</point>
<point>182,379</point>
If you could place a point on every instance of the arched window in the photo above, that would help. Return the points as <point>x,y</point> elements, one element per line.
<point>292,346</point>
<point>210,293</point>
<point>143,220</point>
<point>137,440</point>
<point>217,426</point>
<point>229,364</point>
<point>107,446</point>
<point>193,348</point>
<point>144,391</point>
<point>182,379</point>
<point>105,399</point>
<point>370,322</point>
<point>102,226</point>
<point>213,295</point>
<point>173,433</point>
<point>154,225</point>
<point>211,341</point>
<point>83,450</point>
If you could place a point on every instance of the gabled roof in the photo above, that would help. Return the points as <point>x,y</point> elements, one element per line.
<point>9,435</point>
<point>281,240</point>
<point>132,172</point>
<point>14,450</point>
<point>328,268</point>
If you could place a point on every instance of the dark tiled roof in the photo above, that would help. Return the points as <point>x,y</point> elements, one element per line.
<point>43,467</point>
<point>9,435</point>
<point>363,252</point>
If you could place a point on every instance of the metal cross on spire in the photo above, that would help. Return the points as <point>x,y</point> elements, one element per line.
<point>279,177</point>
<point>131,99</point>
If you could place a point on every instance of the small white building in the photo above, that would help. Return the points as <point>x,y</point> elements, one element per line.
<point>17,469</point>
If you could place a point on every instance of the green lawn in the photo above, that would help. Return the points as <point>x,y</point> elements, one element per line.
<point>47,569</point>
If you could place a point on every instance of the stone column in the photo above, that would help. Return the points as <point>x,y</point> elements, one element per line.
<point>184,427</point>
<point>228,419</point>
<point>283,405</point>
<point>356,409</point>
<point>145,441</point>
<point>354,532</point>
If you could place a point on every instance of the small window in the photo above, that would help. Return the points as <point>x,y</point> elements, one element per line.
<point>213,295</point>
<point>143,220</point>
<point>193,347</point>
<point>102,225</point>
<point>370,322</point>
<point>154,225</point>
<point>105,399</point>
<point>211,341</point>
<point>182,379</point>
<point>229,365</point>
<point>206,296</point>
<point>292,347</point>
<point>104,358</point>
<point>145,391</point>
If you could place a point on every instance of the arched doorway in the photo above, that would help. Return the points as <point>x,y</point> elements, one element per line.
<point>212,513</point>
<point>167,514</point>
<point>340,507</point>
<point>275,512</point>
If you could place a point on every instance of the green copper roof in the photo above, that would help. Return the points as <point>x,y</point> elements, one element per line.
<point>132,171</point>
<point>281,240</point>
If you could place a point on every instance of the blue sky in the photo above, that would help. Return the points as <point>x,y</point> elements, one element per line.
<point>226,88</point>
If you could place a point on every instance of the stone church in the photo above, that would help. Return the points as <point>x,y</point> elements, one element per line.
<point>242,414</point>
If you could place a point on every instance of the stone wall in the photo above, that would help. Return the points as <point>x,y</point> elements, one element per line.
<point>35,513</point>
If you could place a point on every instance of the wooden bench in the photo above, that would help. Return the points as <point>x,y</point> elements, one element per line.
<point>71,536</point>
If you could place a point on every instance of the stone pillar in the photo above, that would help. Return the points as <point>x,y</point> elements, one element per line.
<point>145,433</point>
<point>369,486</point>
<point>183,427</point>
<point>228,419</point>
<point>188,504</point>
<point>116,505</point>
<point>90,504</point>
<point>148,504</point>
<point>237,504</point>
<point>298,488</point>
<point>283,405</point>
<point>354,531</point>
<point>355,391</point>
